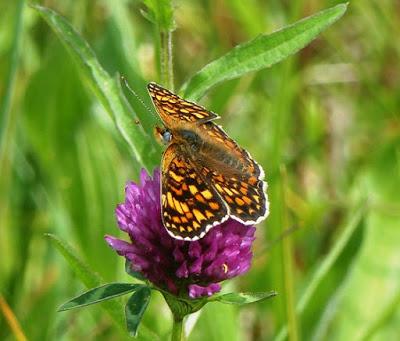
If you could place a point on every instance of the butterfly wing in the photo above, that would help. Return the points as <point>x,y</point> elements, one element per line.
<point>217,134</point>
<point>189,205</point>
<point>244,195</point>
<point>243,192</point>
<point>171,107</point>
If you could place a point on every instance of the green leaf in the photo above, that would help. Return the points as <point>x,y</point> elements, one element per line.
<point>161,13</point>
<point>135,308</point>
<point>244,297</point>
<point>261,52</point>
<point>99,294</point>
<point>90,280</point>
<point>87,276</point>
<point>104,86</point>
<point>82,270</point>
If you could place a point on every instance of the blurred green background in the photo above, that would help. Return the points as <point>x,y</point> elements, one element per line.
<point>325,125</point>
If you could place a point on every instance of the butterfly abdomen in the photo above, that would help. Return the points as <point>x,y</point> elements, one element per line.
<point>209,154</point>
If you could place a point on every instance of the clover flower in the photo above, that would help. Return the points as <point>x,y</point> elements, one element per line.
<point>188,269</point>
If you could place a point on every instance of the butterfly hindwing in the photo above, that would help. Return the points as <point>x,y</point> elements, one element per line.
<point>190,206</point>
<point>244,195</point>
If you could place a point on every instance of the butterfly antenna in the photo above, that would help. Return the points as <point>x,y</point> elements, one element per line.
<point>133,92</point>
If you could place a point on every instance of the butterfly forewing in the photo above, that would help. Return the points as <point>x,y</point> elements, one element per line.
<point>172,107</point>
<point>190,205</point>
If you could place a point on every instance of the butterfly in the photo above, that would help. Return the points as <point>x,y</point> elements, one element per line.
<point>206,177</point>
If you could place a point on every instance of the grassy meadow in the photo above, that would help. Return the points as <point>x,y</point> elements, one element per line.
<point>324,123</point>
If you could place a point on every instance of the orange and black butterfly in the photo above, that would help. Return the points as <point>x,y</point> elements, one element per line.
<point>206,177</point>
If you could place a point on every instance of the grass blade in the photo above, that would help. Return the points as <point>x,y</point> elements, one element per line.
<point>7,116</point>
<point>325,266</point>
<point>104,86</point>
<point>367,300</point>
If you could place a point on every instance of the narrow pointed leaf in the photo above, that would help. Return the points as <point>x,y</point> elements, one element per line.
<point>135,308</point>
<point>91,279</point>
<point>261,52</point>
<point>104,87</point>
<point>99,294</point>
<point>244,297</point>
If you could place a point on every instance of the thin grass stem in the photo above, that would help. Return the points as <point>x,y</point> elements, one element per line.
<point>287,252</point>
<point>325,267</point>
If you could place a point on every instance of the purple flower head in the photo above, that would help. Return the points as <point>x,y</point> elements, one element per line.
<point>186,268</point>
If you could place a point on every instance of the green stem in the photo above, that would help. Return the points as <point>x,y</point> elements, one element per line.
<point>167,76</point>
<point>325,266</point>
<point>287,252</point>
<point>177,329</point>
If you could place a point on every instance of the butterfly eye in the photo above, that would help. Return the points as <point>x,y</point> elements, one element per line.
<point>166,136</point>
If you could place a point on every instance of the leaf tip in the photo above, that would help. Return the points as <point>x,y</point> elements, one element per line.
<point>133,333</point>
<point>61,308</point>
<point>37,7</point>
<point>343,7</point>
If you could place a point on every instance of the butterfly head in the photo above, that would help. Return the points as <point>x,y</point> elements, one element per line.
<point>164,135</point>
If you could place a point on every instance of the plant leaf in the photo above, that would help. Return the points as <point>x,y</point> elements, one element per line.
<point>135,308</point>
<point>244,297</point>
<point>261,52</point>
<point>99,294</point>
<point>90,279</point>
<point>104,87</point>
<point>87,277</point>
<point>160,13</point>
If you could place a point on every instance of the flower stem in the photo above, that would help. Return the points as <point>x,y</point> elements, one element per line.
<point>166,59</point>
<point>177,329</point>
